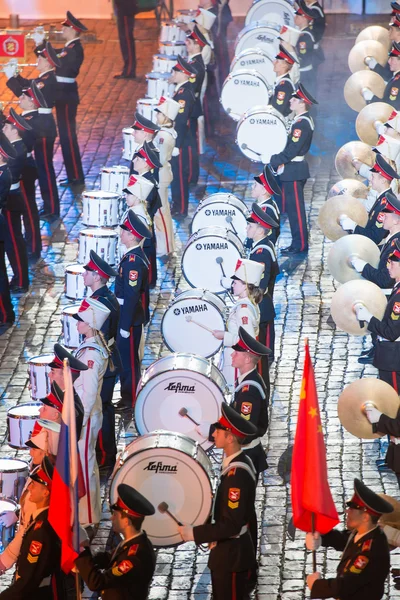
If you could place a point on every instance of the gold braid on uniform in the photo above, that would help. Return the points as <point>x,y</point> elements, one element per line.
<point>149,219</point>
<point>103,342</point>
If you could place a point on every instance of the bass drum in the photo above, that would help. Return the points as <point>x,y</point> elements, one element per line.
<point>209,253</point>
<point>227,212</point>
<point>261,131</point>
<point>172,468</point>
<point>175,384</point>
<point>179,324</point>
<point>242,90</point>
<point>259,35</point>
<point>273,11</point>
<point>255,58</point>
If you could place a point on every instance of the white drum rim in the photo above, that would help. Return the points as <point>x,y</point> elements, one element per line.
<point>50,358</point>
<point>18,470</point>
<point>26,417</point>
<point>154,75</point>
<point>71,309</point>
<point>6,500</point>
<point>239,73</point>
<point>252,8</point>
<point>98,232</point>
<point>69,269</point>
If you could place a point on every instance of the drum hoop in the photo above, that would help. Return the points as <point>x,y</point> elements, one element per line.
<point>91,196</point>
<point>202,205</point>
<point>143,384</point>
<point>19,470</point>
<point>25,417</point>
<point>193,297</point>
<point>266,110</point>
<point>9,501</point>
<point>99,234</point>
<point>45,364</point>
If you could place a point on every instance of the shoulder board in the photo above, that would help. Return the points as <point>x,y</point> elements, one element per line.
<point>265,247</point>
<point>240,465</point>
<point>37,525</point>
<point>367,545</point>
<point>309,33</point>
<point>247,383</point>
<point>91,346</point>
<point>133,549</point>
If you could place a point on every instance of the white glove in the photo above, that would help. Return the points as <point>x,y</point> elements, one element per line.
<point>83,536</point>
<point>363,313</point>
<point>226,282</point>
<point>367,94</point>
<point>9,70</point>
<point>313,540</point>
<point>346,223</point>
<point>124,334</point>
<point>370,62</point>
<point>203,429</point>
<point>176,152</point>
<point>373,414</point>
<point>381,129</point>
<point>8,518</point>
<point>358,263</point>
<point>38,37</point>
<point>265,158</point>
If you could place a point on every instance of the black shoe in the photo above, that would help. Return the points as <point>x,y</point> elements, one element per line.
<point>122,76</point>
<point>5,326</point>
<point>370,352</point>
<point>120,407</point>
<point>293,250</point>
<point>366,360</point>
<point>49,217</point>
<point>18,290</point>
<point>66,182</point>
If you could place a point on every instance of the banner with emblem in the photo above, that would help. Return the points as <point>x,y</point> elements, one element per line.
<point>12,44</point>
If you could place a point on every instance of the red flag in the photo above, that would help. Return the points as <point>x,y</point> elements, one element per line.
<point>311,494</point>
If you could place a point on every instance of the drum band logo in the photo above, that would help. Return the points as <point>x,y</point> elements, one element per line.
<point>220,212</point>
<point>176,387</point>
<point>252,61</point>
<point>267,121</point>
<point>212,246</point>
<point>246,82</point>
<point>159,467</point>
<point>187,310</point>
<point>265,38</point>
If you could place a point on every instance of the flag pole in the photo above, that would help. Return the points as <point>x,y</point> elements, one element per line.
<point>314,552</point>
<point>78,586</point>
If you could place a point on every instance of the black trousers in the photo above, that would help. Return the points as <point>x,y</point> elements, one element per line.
<point>150,249</point>
<point>180,182</point>
<point>44,151</point>
<point>31,213</point>
<point>222,56</point>
<point>293,200</point>
<point>106,449</point>
<point>130,372</point>
<point>391,377</point>
<point>194,161</point>
<point>66,120</point>
<point>126,24</point>
<point>230,586</point>
<point>15,244</point>
<point>6,308</point>
<point>211,104</point>
<point>266,335</point>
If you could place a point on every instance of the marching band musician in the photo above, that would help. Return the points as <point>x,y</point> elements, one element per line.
<point>93,352</point>
<point>245,283</point>
<point>381,179</point>
<point>7,152</point>
<point>391,94</point>
<point>293,170</point>
<point>56,366</point>
<point>283,86</point>
<point>394,36</point>
<point>144,130</point>
<point>165,139</point>
<point>125,13</point>
<point>96,276</point>
<point>232,557</point>
<point>318,29</point>
<point>265,188</point>
<point>259,224</point>
<point>395,6</point>
<point>131,289</point>
<point>304,18</point>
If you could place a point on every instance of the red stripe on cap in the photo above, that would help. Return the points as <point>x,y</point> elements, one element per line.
<point>142,154</point>
<point>194,36</point>
<point>246,348</point>
<point>393,208</point>
<point>356,498</point>
<point>3,153</point>
<point>381,139</point>
<point>69,23</point>
<point>393,114</point>
<point>266,184</point>
<point>161,100</point>
<point>142,127</point>
<point>303,97</point>
<point>126,508</point>
<point>15,123</point>
<point>225,423</point>
<point>301,12</point>
<point>238,264</point>
<point>55,402</point>
<point>130,227</point>
<point>93,267</point>
<point>377,168</point>
<point>394,51</point>
<point>45,479</point>
<point>84,306</point>
<point>47,56</point>
<point>29,92</point>
<point>59,365</point>
<point>395,253</point>
<point>259,221</point>
<point>179,67</point>
<point>285,57</point>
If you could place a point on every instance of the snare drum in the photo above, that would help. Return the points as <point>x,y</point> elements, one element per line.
<point>13,474</point>
<point>102,241</point>
<point>243,90</point>
<point>272,11</point>
<point>172,468</point>
<point>186,15</point>
<point>170,32</point>
<point>129,143</point>
<point>261,130</point>
<point>21,420</point>
<point>39,375</point>
<point>158,85</point>
<point>72,338</point>
<point>259,35</point>
<point>7,533</point>
<point>146,106</point>
<point>75,288</point>
<point>173,49</point>
<point>114,179</point>
<point>227,211</point>
<point>203,249</point>
<point>255,58</point>
<point>182,334</point>
<point>164,63</point>
<point>100,209</point>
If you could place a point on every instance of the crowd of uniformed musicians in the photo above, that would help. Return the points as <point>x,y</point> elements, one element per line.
<point>112,322</point>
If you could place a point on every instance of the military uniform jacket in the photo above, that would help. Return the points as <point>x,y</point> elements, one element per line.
<point>125,8</point>
<point>5,183</point>
<point>39,559</point>
<point>243,314</point>
<point>387,350</point>
<point>264,252</point>
<point>297,145</point>
<point>43,125</point>
<point>110,327</point>
<point>271,208</point>
<point>88,385</point>
<point>305,49</point>
<point>165,141</point>
<point>46,82</point>
<point>319,24</point>
<point>380,276</point>
<point>391,94</point>
<point>185,96</point>
<point>283,90</point>
<point>374,228</point>
<point>71,57</point>
<point>384,71</point>
<point>362,570</point>
<point>123,575</point>
<point>131,289</point>
<point>198,61</point>
<point>390,427</point>
<point>232,511</point>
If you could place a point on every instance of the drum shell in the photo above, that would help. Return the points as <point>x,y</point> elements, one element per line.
<point>242,90</point>
<point>100,208</point>
<point>164,63</point>
<point>170,32</point>
<point>212,211</point>
<point>207,308</point>
<point>146,106</point>
<point>39,375</point>
<point>13,475</point>
<point>257,59</point>
<point>21,420</point>
<point>186,15</point>
<point>158,85</point>
<point>152,464</point>
<point>7,533</point>
<point>71,337</point>
<point>259,35</point>
<point>263,10</point>
<point>75,288</point>
<point>129,143</point>
<point>173,49</point>
<point>114,179</point>
<point>263,129</point>
<point>102,241</point>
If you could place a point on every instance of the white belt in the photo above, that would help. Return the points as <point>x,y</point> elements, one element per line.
<point>316,46</point>
<point>394,440</point>
<point>309,68</point>
<point>252,444</point>
<point>243,530</point>
<point>297,159</point>
<point>382,339</point>
<point>45,582</point>
<point>387,291</point>
<point>45,111</point>
<point>120,301</point>
<point>14,186</point>
<point>28,154</point>
<point>65,79</point>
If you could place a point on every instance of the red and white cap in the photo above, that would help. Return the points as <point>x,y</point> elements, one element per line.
<point>249,271</point>
<point>92,312</point>
<point>168,107</point>
<point>205,18</point>
<point>139,187</point>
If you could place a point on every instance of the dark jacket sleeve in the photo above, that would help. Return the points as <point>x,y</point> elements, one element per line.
<point>122,574</point>
<point>376,234</point>
<point>335,539</point>
<point>297,138</point>
<point>388,328</point>
<point>378,276</point>
<point>388,425</point>
<point>132,284</point>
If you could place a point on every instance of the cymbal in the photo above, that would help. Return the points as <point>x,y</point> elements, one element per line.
<point>347,247</point>
<point>368,117</point>
<point>392,519</point>
<point>358,81</point>
<point>347,296</point>
<point>375,32</point>
<point>364,49</point>
<point>352,399</point>
<point>349,187</point>
<point>351,150</point>
<point>328,218</point>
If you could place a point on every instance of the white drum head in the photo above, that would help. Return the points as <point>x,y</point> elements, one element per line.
<point>261,131</point>
<point>241,91</point>
<point>272,11</point>
<point>12,465</point>
<point>254,58</point>
<point>25,411</point>
<point>259,35</point>
<point>220,214</point>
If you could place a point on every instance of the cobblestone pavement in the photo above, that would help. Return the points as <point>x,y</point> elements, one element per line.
<point>302,298</point>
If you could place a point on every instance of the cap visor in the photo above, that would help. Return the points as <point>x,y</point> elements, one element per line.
<point>77,317</point>
<point>30,444</point>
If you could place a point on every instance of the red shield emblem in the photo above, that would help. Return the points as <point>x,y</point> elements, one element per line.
<point>35,548</point>
<point>133,275</point>
<point>234,494</point>
<point>246,408</point>
<point>396,308</point>
<point>281,95</point>
<point>125,566</point>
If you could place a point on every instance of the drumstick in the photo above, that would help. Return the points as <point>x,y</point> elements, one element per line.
<point>184,413</point>
<point>245,147</point>
<point>190,319</point>
<point>219,260</point>
<point>229,220</point>
<point>163,509</point>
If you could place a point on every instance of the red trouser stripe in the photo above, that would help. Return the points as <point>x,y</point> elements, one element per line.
<point>71,142</point>
<point>234,586</point>
<point>394,381</point>
<point>28,210</point>
<point>165,228</point>
<point>2,310</point>
<point>129,45</point>
<point>87,480</point>
<point>181,183</point>
<point>16,253</point>
<point>298,209</point>
<point>101,447</point>
<point>49,182</point>
<point>268,336</point>
<point>134,382</point>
